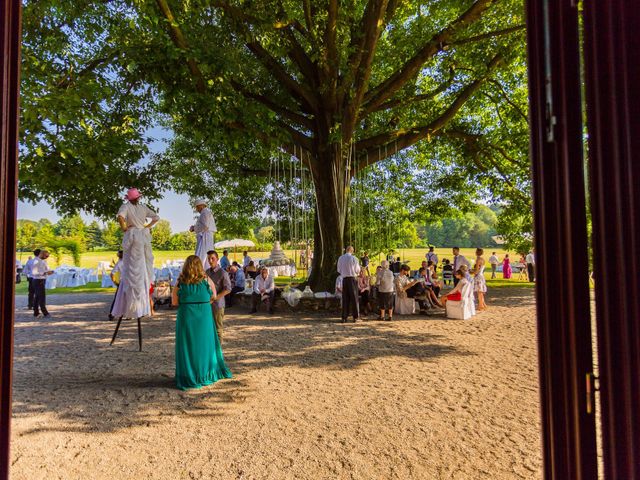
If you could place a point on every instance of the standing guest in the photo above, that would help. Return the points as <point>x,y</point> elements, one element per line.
<point>447,272</point>
<point>225,263</point>
<point>432,257</point>
<point>220,279</point>
<point>115,275</point>
<point>364,261</point>
<point>199,358</point>
<point>506,267</point>
<point>246,259</point>
<point>479,282</point>
<point>238,282</point>
<point>251,270</point>
<point>205,230</point>
<point>264,290</point>
<point>531,265</point>
<point>466,273</point>
<point>458,261</point>
<point>39,273</point>
<point>136,221</point>
<point>349,268</point>
<point>384,284</point>
<point>364,290</point>
<point>456,293</point>
<point>395,268</point>
<point>28,271</point>
<point>493,261</point>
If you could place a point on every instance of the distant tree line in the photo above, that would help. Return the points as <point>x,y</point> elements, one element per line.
<point>73,234</point>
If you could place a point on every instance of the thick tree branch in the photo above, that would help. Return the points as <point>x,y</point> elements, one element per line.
<point>371,148</point>
<point>179,41</point>
<point>484,36</point>
<point>297,91</point>
<point>372,27</point>
<point>70,78</point>
<point>273,106</point>
<point>402,102</point>
<point>391,85</point>
<point>331,50</point>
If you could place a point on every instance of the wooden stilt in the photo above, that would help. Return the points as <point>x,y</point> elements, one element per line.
<point>115,333</point>
<point>139,335</point>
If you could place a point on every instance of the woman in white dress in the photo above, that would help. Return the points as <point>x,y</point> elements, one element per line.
<point>479,282</point>
<point>136,274</point>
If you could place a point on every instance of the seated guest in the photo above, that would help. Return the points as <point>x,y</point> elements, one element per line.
<point>466,273</point>
<point>251,270</point>
<point>395,267</point>
<point>364,290</point>
<point>432,278</point>
<point>430,289</point>
<point>456,293</point>
<point>373,283</point>
<point>264,290</point>
<point>419,291</point>
<point>447,272</point>
<point>237,280</point>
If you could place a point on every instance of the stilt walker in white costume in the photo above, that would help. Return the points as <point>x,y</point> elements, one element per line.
<point>136,274</point>
<point>205,229</point>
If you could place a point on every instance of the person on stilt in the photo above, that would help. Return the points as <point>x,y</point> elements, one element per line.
<point>136,274</point>
<point>205,230</point>
<point>349,268</point>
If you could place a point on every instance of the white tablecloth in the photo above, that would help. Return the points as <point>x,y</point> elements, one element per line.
<point>283,271</point>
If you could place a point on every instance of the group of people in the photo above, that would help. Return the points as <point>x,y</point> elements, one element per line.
<point>36,270</point>
<point>528,261</point>
<point>399,290</point>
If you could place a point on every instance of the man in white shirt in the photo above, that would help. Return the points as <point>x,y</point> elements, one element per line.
<point>458,261</point>
<point>28,271</point>
<point>264,289</point>
<point>39,273</point>
<point>432,257</point>
<point>205,229</point>
<point>493,261</point>
<point>531,265</point>
<point>349,268</point>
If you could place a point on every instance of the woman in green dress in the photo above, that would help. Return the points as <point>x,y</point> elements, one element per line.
<point>199,359</point>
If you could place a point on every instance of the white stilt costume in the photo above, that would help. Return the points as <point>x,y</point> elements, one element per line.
<point>205,229</point>
<point>136,275</point>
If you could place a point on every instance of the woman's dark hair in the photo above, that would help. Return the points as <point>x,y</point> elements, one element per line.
<point>421,269</point>
<point>479,251</point>
<point>459,272</point>
<point>405,268</point>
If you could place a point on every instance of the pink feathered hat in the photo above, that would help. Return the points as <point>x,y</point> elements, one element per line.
<point>132,194</point>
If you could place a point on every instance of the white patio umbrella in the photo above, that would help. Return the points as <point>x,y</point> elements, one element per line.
<point>234,243</point>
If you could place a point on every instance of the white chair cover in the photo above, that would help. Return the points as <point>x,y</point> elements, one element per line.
<point>462,309</point>
<point>106,279</point>
<point>405,306</point>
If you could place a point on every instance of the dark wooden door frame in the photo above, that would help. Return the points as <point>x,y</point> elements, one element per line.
<point>10,24</point>
<point>612,46</point>
<point>564,327</point>
<point>612,78</point>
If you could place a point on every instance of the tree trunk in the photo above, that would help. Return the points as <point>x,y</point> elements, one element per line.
<point>332,193</point>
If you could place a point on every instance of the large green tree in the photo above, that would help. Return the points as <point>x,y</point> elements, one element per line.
<point>340,86</point>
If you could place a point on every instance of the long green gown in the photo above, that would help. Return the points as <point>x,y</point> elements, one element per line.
<point>199,359</point>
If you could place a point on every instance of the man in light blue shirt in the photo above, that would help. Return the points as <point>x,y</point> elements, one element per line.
<point>239,283</point>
